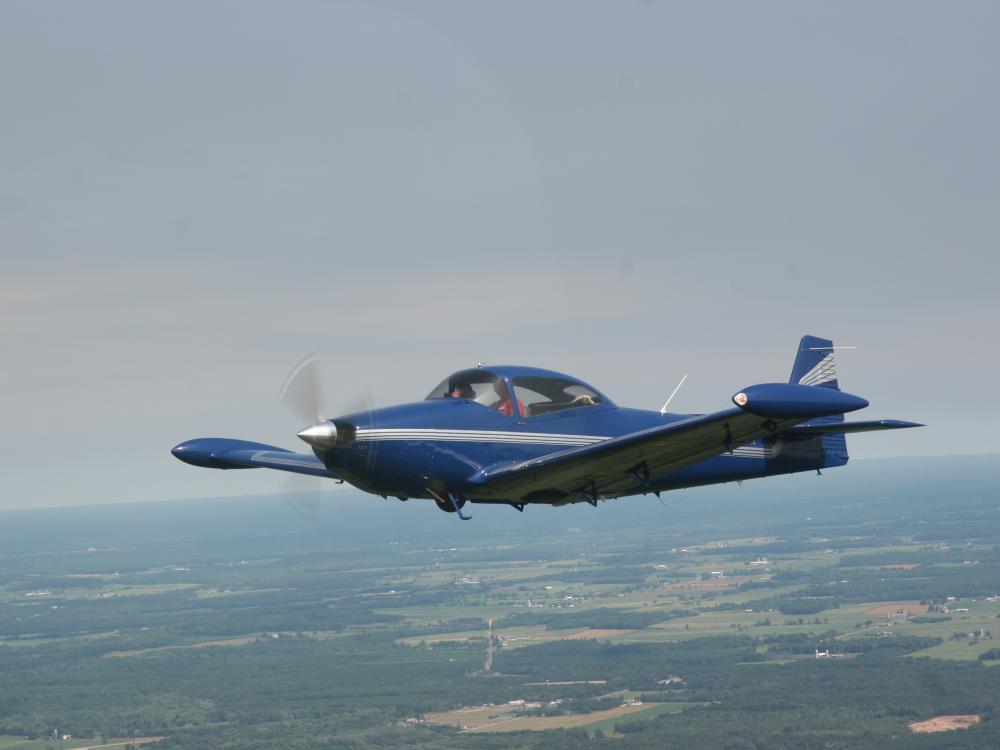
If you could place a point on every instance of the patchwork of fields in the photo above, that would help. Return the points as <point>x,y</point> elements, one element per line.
<point>861,621</point>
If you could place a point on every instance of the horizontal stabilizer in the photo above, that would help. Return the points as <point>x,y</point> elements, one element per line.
<point>844,427</point>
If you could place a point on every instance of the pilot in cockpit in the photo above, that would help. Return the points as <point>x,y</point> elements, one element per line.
<point>462,390</point>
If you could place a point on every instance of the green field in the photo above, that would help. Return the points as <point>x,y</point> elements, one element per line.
<point>215,628</point>
<point>648,712</point>
<point>8,742</point>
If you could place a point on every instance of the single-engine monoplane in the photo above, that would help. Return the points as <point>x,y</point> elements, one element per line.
<point>522,435</point>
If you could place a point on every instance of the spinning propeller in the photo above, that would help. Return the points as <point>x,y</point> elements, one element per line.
<point>302,393</point>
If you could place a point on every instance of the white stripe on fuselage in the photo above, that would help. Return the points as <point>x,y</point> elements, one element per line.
<point>757,451</point>
<point>476,436</point>
<point>522,438</point>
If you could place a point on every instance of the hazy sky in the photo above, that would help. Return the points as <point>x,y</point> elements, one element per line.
<point>193,195</point>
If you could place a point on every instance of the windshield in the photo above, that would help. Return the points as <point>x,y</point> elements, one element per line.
<point>481,386</point>
<point>544,395</point>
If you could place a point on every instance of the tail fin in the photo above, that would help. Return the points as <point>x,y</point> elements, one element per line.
<point>815,365</point>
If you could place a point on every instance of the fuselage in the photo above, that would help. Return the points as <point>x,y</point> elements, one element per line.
<point>397,450</point>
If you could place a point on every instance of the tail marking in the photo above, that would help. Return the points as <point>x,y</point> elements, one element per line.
<point>823,372</point>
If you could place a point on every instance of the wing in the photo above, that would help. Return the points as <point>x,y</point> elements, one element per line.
<point>623,465</point>
<point>223,453</point>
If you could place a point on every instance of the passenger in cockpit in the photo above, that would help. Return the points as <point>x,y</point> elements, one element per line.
<point>504,405</point>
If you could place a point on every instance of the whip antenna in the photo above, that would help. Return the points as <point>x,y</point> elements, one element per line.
<point>663,410</point>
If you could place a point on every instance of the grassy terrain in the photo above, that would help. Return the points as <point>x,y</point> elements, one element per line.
<point>647,711</point>
<point>605,719</point>
<point>8,742</point>
<point>230,624</point>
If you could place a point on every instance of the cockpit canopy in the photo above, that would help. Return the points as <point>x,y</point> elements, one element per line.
<point>535,392</point>
<point>478,385</point>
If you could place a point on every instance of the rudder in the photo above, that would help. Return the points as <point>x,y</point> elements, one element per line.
<point>815,365</point>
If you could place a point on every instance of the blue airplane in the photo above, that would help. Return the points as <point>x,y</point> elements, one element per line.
<point>522,435</point>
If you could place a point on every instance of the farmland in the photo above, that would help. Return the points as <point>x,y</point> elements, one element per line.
<point>845,610</point>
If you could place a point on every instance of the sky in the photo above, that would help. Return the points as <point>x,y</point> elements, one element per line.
<point>195,195</point>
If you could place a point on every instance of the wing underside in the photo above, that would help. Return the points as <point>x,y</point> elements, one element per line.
<point>624,465</point>
<point>297,463</point>
<point>225,453</point>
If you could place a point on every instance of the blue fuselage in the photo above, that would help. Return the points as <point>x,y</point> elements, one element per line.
<point>397,450</point>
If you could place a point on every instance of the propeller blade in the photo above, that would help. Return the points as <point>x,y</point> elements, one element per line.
<point>302,391</point>
<point>360,405</point>
<point>366,404</point>
<point>302,494</point>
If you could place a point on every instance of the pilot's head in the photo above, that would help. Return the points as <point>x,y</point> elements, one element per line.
<point>463,390</point>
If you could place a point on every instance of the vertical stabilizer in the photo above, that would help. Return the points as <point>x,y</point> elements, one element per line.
<point>815,365</point>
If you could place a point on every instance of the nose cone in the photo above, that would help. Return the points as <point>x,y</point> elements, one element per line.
<point>322,435</point>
